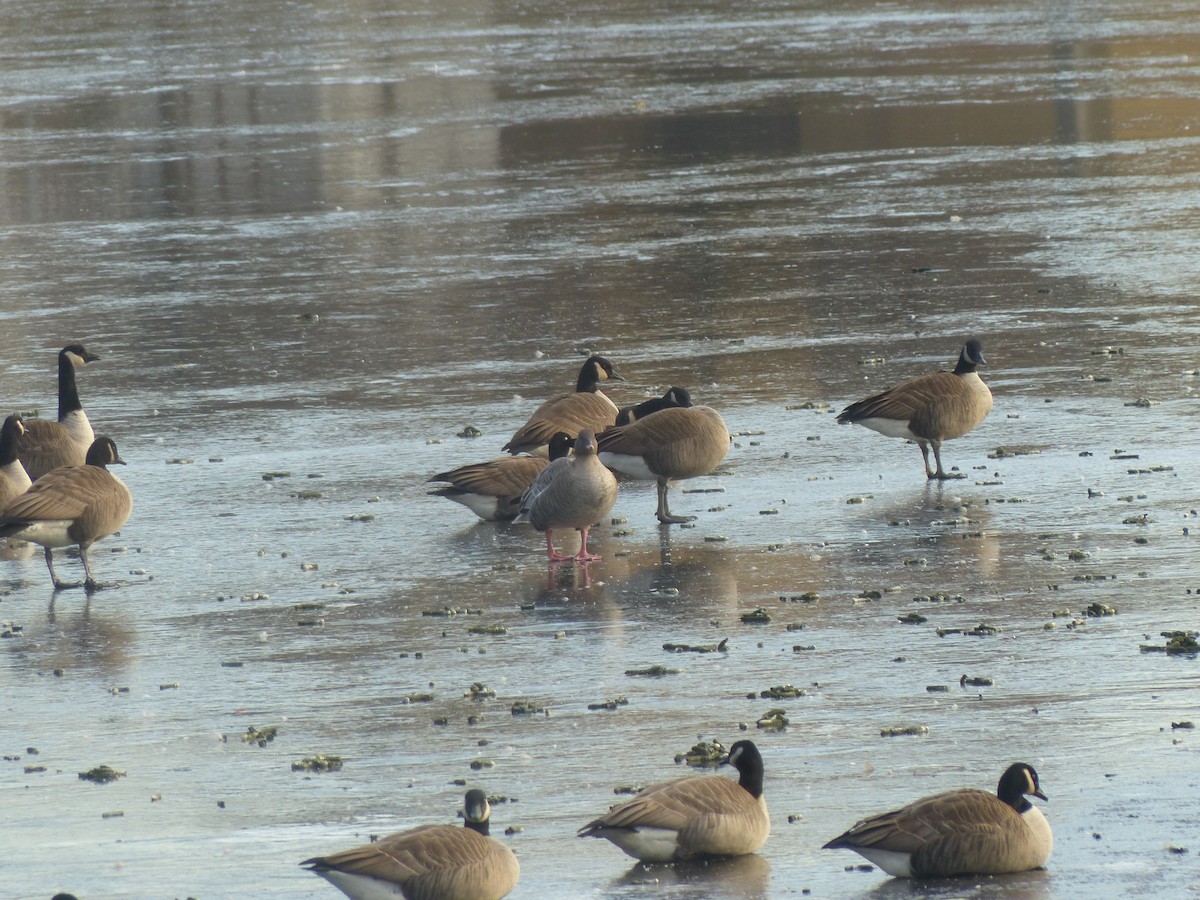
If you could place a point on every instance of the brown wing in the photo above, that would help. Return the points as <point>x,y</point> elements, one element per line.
<point>61,494</point>
<point>943,832</point>
<point>505,476</point>
<point>47,445</point>
<point>570,413</point>
<point>415,853</point>
<point>97,501</point>
<point>905,400</point>
<point>675,443</point>
<point>672,804</point>
<point>713,815</point>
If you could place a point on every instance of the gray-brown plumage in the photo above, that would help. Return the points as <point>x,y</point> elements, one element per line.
<point>49,444</point>
<point>71,505</point>
<point>586,408</point>
<point>14,480</point>
<point>964,832</point>
<point>433,862</point>
<point>673,398</point>
<point>492,490</point>
<point>669,445</point>
<point>572,492</point>
<point>693,817</point>
<point>929,409</point>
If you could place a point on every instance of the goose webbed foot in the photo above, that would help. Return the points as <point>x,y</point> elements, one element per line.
<point>668,518</point>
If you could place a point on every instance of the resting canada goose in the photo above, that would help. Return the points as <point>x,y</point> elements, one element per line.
<point>492,490</point>
<point>49,444</point>
<point>586,408</point>
<point>930,408</point>
<point>695,816</point>
<point>432,862</point>
<point>667,446</point>
<point>71,505</point>
<point>674,397</point>
<point>14,480</point>
<point>572,492</point>
<point>965,832</point>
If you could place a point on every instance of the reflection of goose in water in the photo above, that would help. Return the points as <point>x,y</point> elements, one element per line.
<point>731,876</point>
<point>697,576</point>
<point>1035,885</point>
<point>79,640</point>
<point>954,524</point>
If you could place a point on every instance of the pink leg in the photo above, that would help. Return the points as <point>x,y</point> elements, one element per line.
<point>583,555</point>
<point>554,555</point>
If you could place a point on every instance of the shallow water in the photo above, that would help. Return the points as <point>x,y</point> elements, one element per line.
<point>323,241</point>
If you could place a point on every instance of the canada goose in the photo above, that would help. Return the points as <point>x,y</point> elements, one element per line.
<point>572,492</point>
<point>586,408</point>
<point>674,397</point>
<point>694,816</point>
<point>71,505</point>
<point>49,444</point>
<point>432,862</point>
<point>667,446</point>
<point>964,832</point>
<point>492,490</point>
<point>930,408</point>
<point>14,480</point>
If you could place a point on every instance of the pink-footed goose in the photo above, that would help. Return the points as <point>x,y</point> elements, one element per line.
<point>572,492</point>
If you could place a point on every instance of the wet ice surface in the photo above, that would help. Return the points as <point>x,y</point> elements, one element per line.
<point>776,207</point>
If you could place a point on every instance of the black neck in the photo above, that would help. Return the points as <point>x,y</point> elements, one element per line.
<point>68,394</point>
<point>8,446</point>
<point>751,778</point>
<point>965,366</point>
<point>484,827</point>
<point>587,383</point>
<point>1019,803</point>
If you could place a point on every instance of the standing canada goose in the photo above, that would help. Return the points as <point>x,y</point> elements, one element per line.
<point>432,862</point>
<point>14,480</point>
<point>572,492</point>
<point>964,832</point>
<point>71,505</point>
<point>674,397</point>
<point>695,816</point>
<point>586,408</point>
<point>49,444</point>
<point>930,408</point>
<point>667,446</point>
<point>492,490</point>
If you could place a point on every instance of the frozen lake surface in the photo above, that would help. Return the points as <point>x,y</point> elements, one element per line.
<point>313,244</point>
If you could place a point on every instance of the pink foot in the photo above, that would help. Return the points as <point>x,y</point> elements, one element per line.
<point>555,556</point>
<point>583,555</point>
